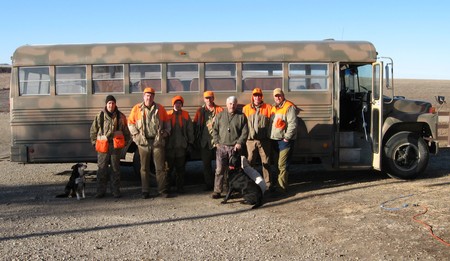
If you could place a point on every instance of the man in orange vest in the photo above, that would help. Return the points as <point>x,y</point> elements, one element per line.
<point>149,126</point>
<point>180,140</point>
<point>258,142</point>
<point>283,132</point>
<point>203,127</point>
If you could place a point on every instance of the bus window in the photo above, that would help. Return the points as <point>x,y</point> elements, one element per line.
<point>107,78</point>
<point>358,79</point>
<point>70,79</point>
<point>180,77</point>
<point>220,76</point>
<point>308,76</point>
<point>266,76</point>
<point>34,81</point>
<point>145,75</point>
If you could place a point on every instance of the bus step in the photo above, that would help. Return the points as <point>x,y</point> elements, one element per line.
<point>350,155</point>
<point>347,139</point>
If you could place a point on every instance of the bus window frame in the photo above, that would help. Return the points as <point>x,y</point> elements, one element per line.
<point>219,82</point>
<point>266,81</point>
<point>83,89</point>
<point>174,81</point>
<point>138,86</point>
<point>113,80</point>
<point>21,82</point>
<point>321,80</point>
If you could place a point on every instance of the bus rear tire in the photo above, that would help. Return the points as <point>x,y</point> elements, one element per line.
<point>405,155</point>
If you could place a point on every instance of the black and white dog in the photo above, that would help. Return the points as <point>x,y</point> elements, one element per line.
<point>240,182</point>
<point>76,183</point>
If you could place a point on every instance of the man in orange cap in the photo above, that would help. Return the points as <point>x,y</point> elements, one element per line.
<point>258,142</point>
<point>149,126</point>
<point>203,126</point>
<point>180,140</point>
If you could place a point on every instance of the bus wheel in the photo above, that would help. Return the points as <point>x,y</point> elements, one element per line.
<point>405,155</point>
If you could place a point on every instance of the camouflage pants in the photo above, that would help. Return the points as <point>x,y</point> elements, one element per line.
<point>222,156</point>
<point>207,158</point>
<point>112,157</point>
<point>178,165</point>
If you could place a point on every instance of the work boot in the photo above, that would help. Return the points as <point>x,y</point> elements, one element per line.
<point>215,195</point>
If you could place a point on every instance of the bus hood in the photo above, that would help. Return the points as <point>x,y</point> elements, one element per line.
<point>400,104</point>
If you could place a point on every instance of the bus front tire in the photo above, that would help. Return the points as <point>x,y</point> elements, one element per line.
<point>405,155</point>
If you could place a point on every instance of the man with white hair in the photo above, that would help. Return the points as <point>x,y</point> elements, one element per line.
<point>230,133</point>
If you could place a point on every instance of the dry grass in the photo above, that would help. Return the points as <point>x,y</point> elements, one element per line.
<point>4,80</point>
<point>425,90</point>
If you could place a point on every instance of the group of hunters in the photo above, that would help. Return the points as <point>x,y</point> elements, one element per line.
<point>167,137</point>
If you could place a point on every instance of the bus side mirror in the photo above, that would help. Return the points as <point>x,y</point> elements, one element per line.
<point>388,77</point>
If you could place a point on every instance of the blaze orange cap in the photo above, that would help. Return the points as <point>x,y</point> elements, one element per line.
<point>257,91</point>
<point>208,94</point>
<point>150,90</point>
<point>177,98</point>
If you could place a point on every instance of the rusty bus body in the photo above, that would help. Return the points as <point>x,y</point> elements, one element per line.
<point>347,119</point>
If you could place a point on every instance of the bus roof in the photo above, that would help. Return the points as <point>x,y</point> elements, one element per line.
<point>270,51</point>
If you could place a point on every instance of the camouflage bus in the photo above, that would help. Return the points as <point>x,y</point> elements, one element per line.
<point>349,119</point>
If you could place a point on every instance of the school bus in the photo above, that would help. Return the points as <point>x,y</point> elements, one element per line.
<point>350,117</point>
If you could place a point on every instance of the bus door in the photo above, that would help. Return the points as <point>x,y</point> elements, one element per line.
<point>376,113</point>
<point>356,109</point>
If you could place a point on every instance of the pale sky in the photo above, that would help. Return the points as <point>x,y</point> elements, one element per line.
<point>416,34</point>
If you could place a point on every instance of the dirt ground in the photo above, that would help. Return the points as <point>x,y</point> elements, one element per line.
<point>326,216</point>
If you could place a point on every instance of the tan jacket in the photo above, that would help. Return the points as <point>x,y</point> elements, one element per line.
<point>145,123</point>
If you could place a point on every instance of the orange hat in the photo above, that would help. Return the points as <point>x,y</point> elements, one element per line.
<point>150,90</point>
<point>208,94</point>
<point>257,91</point>
<point>177,98</point>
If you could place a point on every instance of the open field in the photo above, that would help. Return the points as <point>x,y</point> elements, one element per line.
<point>425,90</point>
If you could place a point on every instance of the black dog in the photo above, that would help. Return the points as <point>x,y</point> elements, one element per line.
<point>76,184</point>
<point>240,182</point>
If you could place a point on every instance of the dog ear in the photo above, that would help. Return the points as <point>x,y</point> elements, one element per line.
<point>235,159</point>
<point>75,166</point>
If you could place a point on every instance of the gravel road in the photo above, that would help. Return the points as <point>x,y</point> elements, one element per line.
<point>326,216</point>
